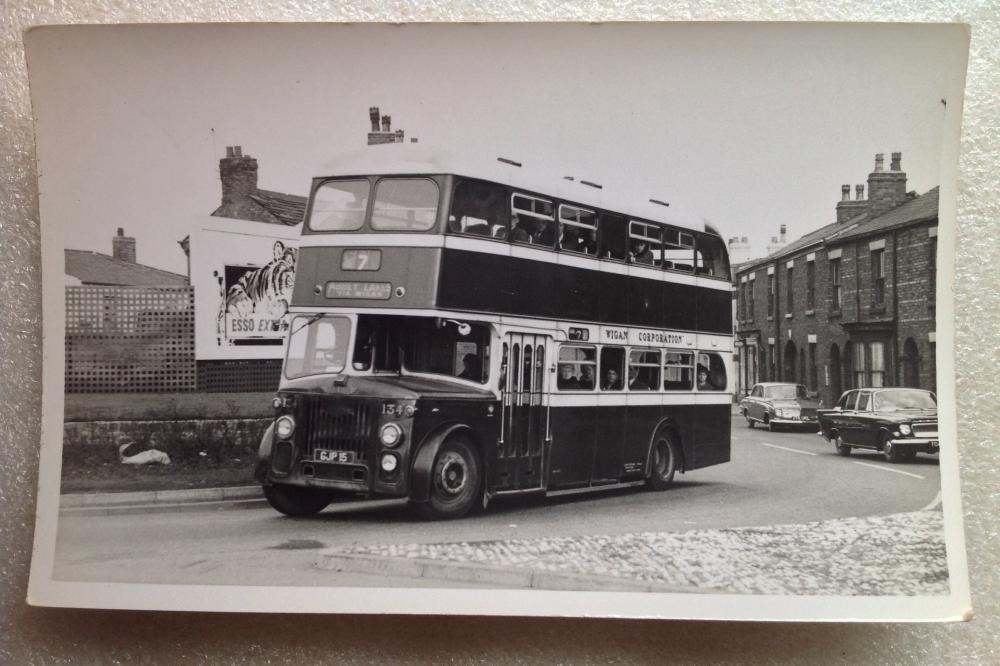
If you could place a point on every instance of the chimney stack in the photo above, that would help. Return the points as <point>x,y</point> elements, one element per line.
<point>123,247</point>
<point>238,173</point>
<point>845,192</point>
<point>859,192</point>
<point>886,189</point>
<point>373,114</point>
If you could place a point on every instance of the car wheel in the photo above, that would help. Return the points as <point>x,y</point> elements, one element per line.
<point>456,481</point>
<point>842,449</point>
<point>295,501</point>
<point>665,456</point>
<point>892,453</point>
<point>746,415</point>
<point>909,455</point>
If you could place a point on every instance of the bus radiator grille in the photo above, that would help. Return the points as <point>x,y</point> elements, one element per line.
<point>337,425</point>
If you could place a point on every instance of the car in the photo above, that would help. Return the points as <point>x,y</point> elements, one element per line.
<point>776,404</point>
<point>898,422</point>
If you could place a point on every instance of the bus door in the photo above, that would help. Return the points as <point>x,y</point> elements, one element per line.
<point>525,416</point>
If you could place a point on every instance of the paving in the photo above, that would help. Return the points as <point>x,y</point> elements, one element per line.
<point>900,554</point>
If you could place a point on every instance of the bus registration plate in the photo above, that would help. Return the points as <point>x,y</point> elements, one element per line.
<point>325,455</point>
<point>368,290</point>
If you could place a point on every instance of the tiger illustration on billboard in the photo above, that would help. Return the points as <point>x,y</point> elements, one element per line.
<point>258,301</point>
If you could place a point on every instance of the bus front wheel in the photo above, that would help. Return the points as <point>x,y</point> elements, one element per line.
<point>456,481</point>
<point>665,456</point>
<point>297,502</point>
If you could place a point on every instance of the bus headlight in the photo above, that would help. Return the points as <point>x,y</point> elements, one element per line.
<point>905,428</point>
<point>391,435</point>
<point>284,427</point>
<point>389,462</point>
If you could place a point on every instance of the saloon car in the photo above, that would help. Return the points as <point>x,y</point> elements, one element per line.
<point>898,422</point>
<point>774,404</point>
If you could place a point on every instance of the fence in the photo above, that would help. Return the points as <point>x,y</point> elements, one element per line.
<point>130,339</point>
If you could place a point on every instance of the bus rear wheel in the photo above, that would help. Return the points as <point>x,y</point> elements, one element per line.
<point>664,458</point>
<point>456,481</point>
<point>297,502</point>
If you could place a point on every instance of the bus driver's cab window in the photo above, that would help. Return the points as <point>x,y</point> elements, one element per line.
<point>612,368</point>
<point>479,209</point>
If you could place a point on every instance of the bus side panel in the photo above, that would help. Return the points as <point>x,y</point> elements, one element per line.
<point>474,281</point>
<point>712,435</point>
<point>642,420</point>
<point>613,302</point>
<point>573,433</point>
<point>715,311</point>
<point>682,419</point>
<point>607,460</point>
<point>644,301</point>
<point>680,306</point>
<point>575,293</point>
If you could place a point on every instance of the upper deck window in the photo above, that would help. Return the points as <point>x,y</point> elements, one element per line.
<point>532,220</point>
<point>339,205</point>
<point>577,230</point>
<point>644,243</point>
<point>711,257</point>
<point>478,209</point>
<point>678,250</point>
<point>405,204</point>
<point>613,241</point>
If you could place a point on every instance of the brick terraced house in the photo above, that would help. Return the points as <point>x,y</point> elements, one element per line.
<point>851,304</point>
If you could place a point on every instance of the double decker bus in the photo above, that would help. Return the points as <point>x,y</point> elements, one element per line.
<point>460,333</point>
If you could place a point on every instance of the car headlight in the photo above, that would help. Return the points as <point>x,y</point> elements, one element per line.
<point>391,434</point>
<point>905,428</point>
<point>284,426</point>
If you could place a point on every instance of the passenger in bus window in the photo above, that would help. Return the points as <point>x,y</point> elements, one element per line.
<point>546,233</point>
<point>588,242</point>
<point>567,380</point>
<point>611,381</point>
<point>587,378</point>
<point>524,230</point>
<point>570,240</point>
<point>635,382</point>
<point>703,382</point>
<point>641,254</point>
<point>470,368</point>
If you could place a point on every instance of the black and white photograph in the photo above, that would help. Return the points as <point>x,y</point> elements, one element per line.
<point>631,320</point>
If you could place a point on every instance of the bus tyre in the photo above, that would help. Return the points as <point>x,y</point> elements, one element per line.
<point>297,502</point>
<point>664,457</point>
<point>456,481</point>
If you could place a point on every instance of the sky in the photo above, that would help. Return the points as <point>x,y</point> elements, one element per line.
<point>746,126</point>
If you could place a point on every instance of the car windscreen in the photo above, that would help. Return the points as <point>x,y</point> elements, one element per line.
<point>890,401</point>
<point>786,392</point>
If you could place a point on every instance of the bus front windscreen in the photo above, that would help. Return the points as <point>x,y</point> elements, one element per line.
<point>317,344</point>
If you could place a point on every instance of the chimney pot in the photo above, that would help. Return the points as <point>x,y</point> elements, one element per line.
<point>859,192</point>
<point>879,158</point>
<point>896,159</point>
<point>229,151</point>
<point>121,232</point>
<point>386,123</point>
<point>238,150</point>
<point>373,115</point>
<point>845,192</point>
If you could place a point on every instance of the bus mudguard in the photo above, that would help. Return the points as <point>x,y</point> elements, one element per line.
<point>264,454</point>
<point>423,461</point>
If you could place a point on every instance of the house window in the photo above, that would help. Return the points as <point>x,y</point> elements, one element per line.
<point>835,283</point>
<point>878,277</point>
<point>811,285</point>
<point>788,290</point>
<point>869,364</point>
<point>813,375</point>
<point>741,309</point>
<point>770,295</point>
<point>750,303</point>
<point>932,265</point>
<point>772,372</point>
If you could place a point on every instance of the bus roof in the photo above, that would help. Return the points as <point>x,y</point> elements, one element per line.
<point>403,158</point>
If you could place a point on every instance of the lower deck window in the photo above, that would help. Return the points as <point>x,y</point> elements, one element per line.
<point>678,371</point>
<point>577,368</point>
<point>711,372</point>
<point>644,370</point>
